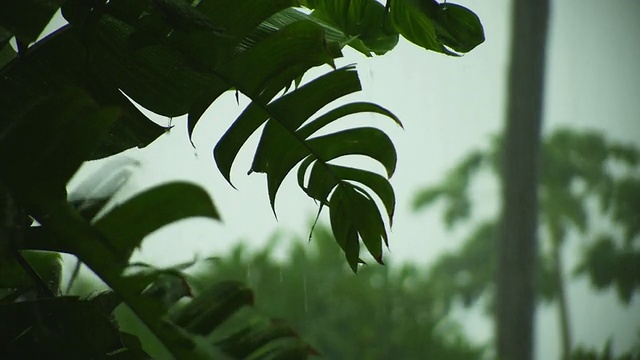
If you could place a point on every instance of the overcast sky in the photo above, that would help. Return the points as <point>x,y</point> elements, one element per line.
<point>449,106</point>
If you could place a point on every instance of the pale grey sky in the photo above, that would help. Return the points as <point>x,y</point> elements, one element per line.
<point>449,106</point>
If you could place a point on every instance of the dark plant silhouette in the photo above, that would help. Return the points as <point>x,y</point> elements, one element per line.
<point>63,102</point>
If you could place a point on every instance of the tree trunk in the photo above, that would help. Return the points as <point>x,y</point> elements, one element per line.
<point>563,308</point>
<point>517,244</point>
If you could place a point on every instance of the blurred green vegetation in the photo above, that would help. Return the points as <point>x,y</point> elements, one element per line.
<point>382,312</point>
<point>589,190</point>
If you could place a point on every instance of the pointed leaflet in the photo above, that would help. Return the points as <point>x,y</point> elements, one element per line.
<point>280,149</point>
<point>342,111</point>
<point>299,46</point>
<point>324,177</point>
<point>249,120</point>
<point>370,142</point>
<point>344,231</point>
<point>238,18</point>
<point>127,224</point>
<point>369,223</point>
<point>366,141</point>
<point>226,150</point>
<point>273,76</point>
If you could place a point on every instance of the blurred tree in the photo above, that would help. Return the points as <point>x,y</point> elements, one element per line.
<point>315,292</point>
<point>590,187</point>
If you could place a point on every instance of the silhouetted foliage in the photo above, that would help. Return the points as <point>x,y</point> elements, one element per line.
<point>66,99</point>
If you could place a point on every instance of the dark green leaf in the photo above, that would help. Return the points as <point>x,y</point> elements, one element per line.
<point>280,147</point>
<point>353,213</point>
<point>375,182</point>
<point>241,17</point>
<point>63,327</point>
<point>437,27</point>
<point>158,77</point>
<point>300,45</point>
<point>459,28</point>
<point>366,141</point>
<point>362,21</point>
<point>127,224</point>
<point>27,18</point>
<point>342,111</point>
<point>324,177</point>
<point>412,20</point>
<point>50,140</point>
<point>46,71</point>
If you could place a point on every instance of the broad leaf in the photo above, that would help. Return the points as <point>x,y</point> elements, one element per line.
<point>437,27</point>
<point>411,19</point>
<point>364,23</point>
<point>128,224</point>
<point>459,28</point>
